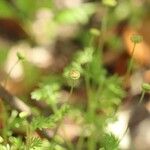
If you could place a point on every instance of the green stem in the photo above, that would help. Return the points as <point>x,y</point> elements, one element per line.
<point>92,142</point>
<point>70,92</point>
<point>28,137</point>
<point>142,97</point>
<point>131,61</point>
<point>103,32</point>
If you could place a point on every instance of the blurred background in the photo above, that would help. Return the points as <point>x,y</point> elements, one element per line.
<point>48,33</point>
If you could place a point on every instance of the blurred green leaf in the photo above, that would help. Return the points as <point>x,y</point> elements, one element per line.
<point>48,93</point>
<point>76,15</point>
<point>110,142</point>
<point>3,55</point>
<point>85,56</point>
<point>6,10</point>
<point>35,142</point>
<point>26,7</point>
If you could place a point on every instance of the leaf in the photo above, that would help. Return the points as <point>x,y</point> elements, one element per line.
<point>35,142</point>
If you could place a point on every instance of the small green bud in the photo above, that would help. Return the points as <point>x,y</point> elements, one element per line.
<point>95,32</point>
<point>74,74</point>
<point>109,2</point>
<point>20,57</point>
<point>146,87</point>
<point>136,38</point>
<point>23,114</point>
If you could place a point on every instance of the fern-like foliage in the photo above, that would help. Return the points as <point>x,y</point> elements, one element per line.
<point>110,142</point>
<point>35,143</point>
<point>41,122</point>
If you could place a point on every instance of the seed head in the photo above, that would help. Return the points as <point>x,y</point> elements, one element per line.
<point>136,38</point>
<point>74,74</point>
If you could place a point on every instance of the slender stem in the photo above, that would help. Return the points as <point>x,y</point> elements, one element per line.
<point>28,137</point>
<point>70,92</point>
<point>92,142</point>
<point>103,32</point>
<point>131,60</point>
<point>10,71</point>
<point>142,97</point>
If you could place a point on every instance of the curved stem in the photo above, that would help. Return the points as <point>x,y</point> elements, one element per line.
<point>10,71</point>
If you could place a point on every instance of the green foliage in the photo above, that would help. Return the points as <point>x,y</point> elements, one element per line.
<point>75,15</point>
<point>35,142</point>
<point>25,6</point>
<point>17,143</point>
<point>104,91</point>
<point>41,122</point>
<point>48,93</point>
<point>110,142</point>
<point>6,10</point>
<point>83,57</point>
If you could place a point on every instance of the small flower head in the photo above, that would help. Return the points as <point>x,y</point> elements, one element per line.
<point>146,87</point>
<point>74,74</point>
<point>136,38</point>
